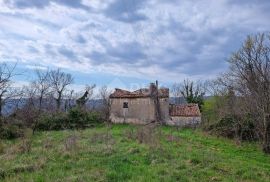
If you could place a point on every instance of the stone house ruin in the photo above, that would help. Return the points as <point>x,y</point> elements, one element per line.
<point>151,104</point>
<point>139,107</point>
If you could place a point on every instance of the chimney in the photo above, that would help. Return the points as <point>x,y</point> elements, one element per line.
<point>152,89</point>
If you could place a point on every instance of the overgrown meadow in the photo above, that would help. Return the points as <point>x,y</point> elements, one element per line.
<point>130,153</point>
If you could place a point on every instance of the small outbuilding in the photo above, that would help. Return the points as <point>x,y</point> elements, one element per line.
<point>185,114</point>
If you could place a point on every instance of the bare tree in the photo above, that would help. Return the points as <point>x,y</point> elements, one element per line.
<point>69,98</point>
<point>249,76</point>
<point>104,94</point>
<point>59,81</point>
<point>176,92</point>
<point>41,86</point>
<point>28,112</point>
<point>29,93</point>
<point>7,92</point>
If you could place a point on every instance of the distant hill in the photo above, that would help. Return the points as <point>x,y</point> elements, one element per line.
<point>181,100</point>
<point>12,104</point>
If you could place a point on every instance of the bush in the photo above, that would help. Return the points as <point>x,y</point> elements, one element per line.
<point>224,127</point>
<point>58,121</point>
<point>80,118</point>
<point>10,129</point>
<point>219,118</point>
<point>75,118</point>
<point>10,132</point>
<point>243,128</point>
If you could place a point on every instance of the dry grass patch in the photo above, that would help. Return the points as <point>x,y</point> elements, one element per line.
<point>71,143</point>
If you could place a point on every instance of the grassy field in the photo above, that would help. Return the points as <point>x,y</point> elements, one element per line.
<point>128,153</point>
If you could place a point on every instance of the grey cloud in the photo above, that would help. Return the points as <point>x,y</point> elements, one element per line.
<point>190,54</point>
<point>67,53</point>
<point>22,4</point>
<point>97,58</point>
<point>49,50</point>
<point>126,11</point>
<point>33,49</point>
<point>80,39</point>
<point>73,4</point>
<point>125,53</point>
<point>27,4</point>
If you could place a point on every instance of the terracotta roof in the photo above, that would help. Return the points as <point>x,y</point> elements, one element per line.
<point>186,110</point>
<point>144,92</point>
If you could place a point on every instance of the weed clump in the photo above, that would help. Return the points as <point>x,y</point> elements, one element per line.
<point>71,143</point>
<point>104,138</point>
<point>25,146</point>
<point>150,135</point>
<point>47,143</point>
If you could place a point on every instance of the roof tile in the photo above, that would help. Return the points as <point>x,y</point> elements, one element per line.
<point>186,110</point>
<point>144,92</point>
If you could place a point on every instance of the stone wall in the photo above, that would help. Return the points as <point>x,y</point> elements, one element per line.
<point>142,111</point>
<point>139,111</point>
<point>184,121</point>
<point>164,109</point>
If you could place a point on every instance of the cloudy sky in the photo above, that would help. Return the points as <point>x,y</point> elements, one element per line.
<point>127,41</point>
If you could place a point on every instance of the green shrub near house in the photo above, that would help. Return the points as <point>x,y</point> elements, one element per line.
<point>222,123</point>
<point>76,118</point>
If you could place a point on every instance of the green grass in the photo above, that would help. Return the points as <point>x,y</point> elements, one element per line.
<point>191,156</point>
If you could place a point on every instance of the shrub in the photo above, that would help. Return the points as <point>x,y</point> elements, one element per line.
<point>219,118</point>
<point>10,131</point>
<point>80,118</point>
<point>75,118</point>
<point>56,121</point>
<point>27,116</point>
<point>242,128</point>
<point>224,127</point>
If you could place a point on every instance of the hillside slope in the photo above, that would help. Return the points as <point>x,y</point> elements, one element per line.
<point>129,153</point>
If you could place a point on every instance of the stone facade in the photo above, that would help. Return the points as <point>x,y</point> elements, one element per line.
<point>138,107</point>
